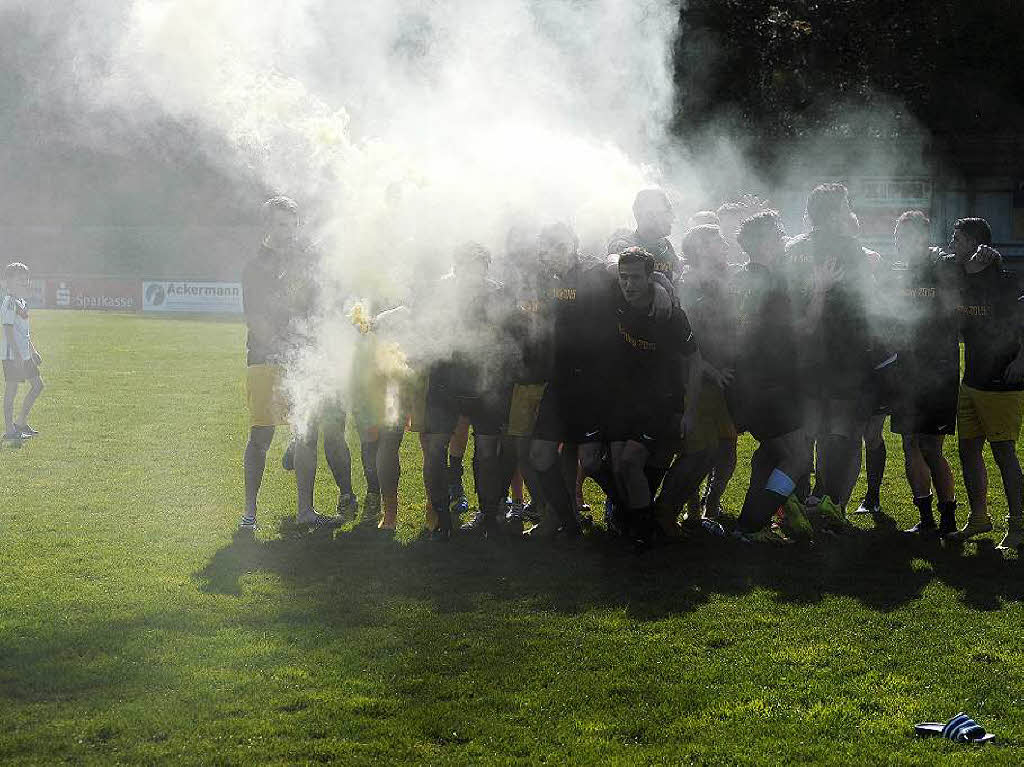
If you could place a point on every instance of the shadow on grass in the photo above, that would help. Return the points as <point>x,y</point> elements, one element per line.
<point>880,568</point>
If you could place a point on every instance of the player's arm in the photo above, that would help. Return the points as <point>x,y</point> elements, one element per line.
<point>1015,370</point>
<point>7,321</point>
<point>254,306</point>
<point>664,297</point>
<point>693,373</point>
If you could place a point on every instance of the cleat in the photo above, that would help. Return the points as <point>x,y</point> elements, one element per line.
<point>13,436</point>
<point>532,512</point>
<point>766,535</point>
<point>971,529</point>
<point>288,459</point>
<point>514,520</point>
<point>26,430</point>
<point>247,522</point>
<point>924,529</point>
<point>869,508</point>
<point>348,507</point>
<point>1013,539</point>
<point>483,524</point>
<point>545,530</point>
<point>457,500</point>
<point>314,519</point>
<point>612,521</point>
<point>712,527</point>
<point>794,523</point>
<point>668,522</point>
<point>830,517</point>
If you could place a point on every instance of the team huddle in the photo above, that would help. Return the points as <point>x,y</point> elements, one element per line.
<point>639,371</point>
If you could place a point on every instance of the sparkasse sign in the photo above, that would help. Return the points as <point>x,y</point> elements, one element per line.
<point>93,293</point>
<point>189,296</point>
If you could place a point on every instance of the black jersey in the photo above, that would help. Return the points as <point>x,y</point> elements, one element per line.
<point>925,297</point>
<point>766,342</point>
<point>711,315</point>
<point>279,291</point>
<point>468,334</point>
<point>839,352</point>
<point>990,320</point>
<point>644,356</point>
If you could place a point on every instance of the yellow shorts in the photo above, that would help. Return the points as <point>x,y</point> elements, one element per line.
<point>414,401</point>
<point>265,395</point>
<point>993,415</point>
<point>714,423</point>
<point>522,413</point>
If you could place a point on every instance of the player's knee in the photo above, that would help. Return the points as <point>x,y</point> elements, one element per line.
<point>1005,454</point>
<point>37,385</point>
<point>260,437</point>
<point>543,455</point>
<point>633,458</point>
<point>486,448</point>
<point>930,451</point>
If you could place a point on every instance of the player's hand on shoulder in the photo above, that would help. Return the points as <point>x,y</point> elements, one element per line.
<point>661,307</point>
<point>825,274</point>
<point>985,256</point>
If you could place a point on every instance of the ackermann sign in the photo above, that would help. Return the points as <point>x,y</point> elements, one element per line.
<point>187,296</point>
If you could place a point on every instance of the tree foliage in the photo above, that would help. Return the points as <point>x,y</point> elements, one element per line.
<point>787,68</point>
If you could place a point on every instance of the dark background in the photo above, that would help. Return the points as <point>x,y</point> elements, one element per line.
<point>936,86</point>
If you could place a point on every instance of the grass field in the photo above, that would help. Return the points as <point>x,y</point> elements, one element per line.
<point>135,627</point>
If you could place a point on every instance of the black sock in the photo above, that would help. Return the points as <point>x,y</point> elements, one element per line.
<point>455,470</point>
<point>758,509</point>
<point>924,508</point>
<point>557,494</point>
<point>368,453</point>
<point>803,487</point>
<point>947,513</point>
<point>875,459</point>
<point>641,522</point>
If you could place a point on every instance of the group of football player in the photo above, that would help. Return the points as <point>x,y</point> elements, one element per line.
<point>640,369</point>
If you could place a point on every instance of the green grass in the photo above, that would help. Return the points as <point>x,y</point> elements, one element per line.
<point>136,628</point>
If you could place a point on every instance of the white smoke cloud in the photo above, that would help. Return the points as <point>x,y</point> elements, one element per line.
<point>401,127</point>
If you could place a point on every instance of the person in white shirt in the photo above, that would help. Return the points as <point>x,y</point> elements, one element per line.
<point>20,358</point>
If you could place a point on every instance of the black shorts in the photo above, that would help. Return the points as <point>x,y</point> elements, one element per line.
<point>16,373</point>
<point>487,411</point>
<point>767,413</point>
<point>569,412</point>
<point>649,420</point>
<point>882,389</point>
<point>929,408</point>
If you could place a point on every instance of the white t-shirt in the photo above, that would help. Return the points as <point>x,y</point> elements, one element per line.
<point>14,311</point>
